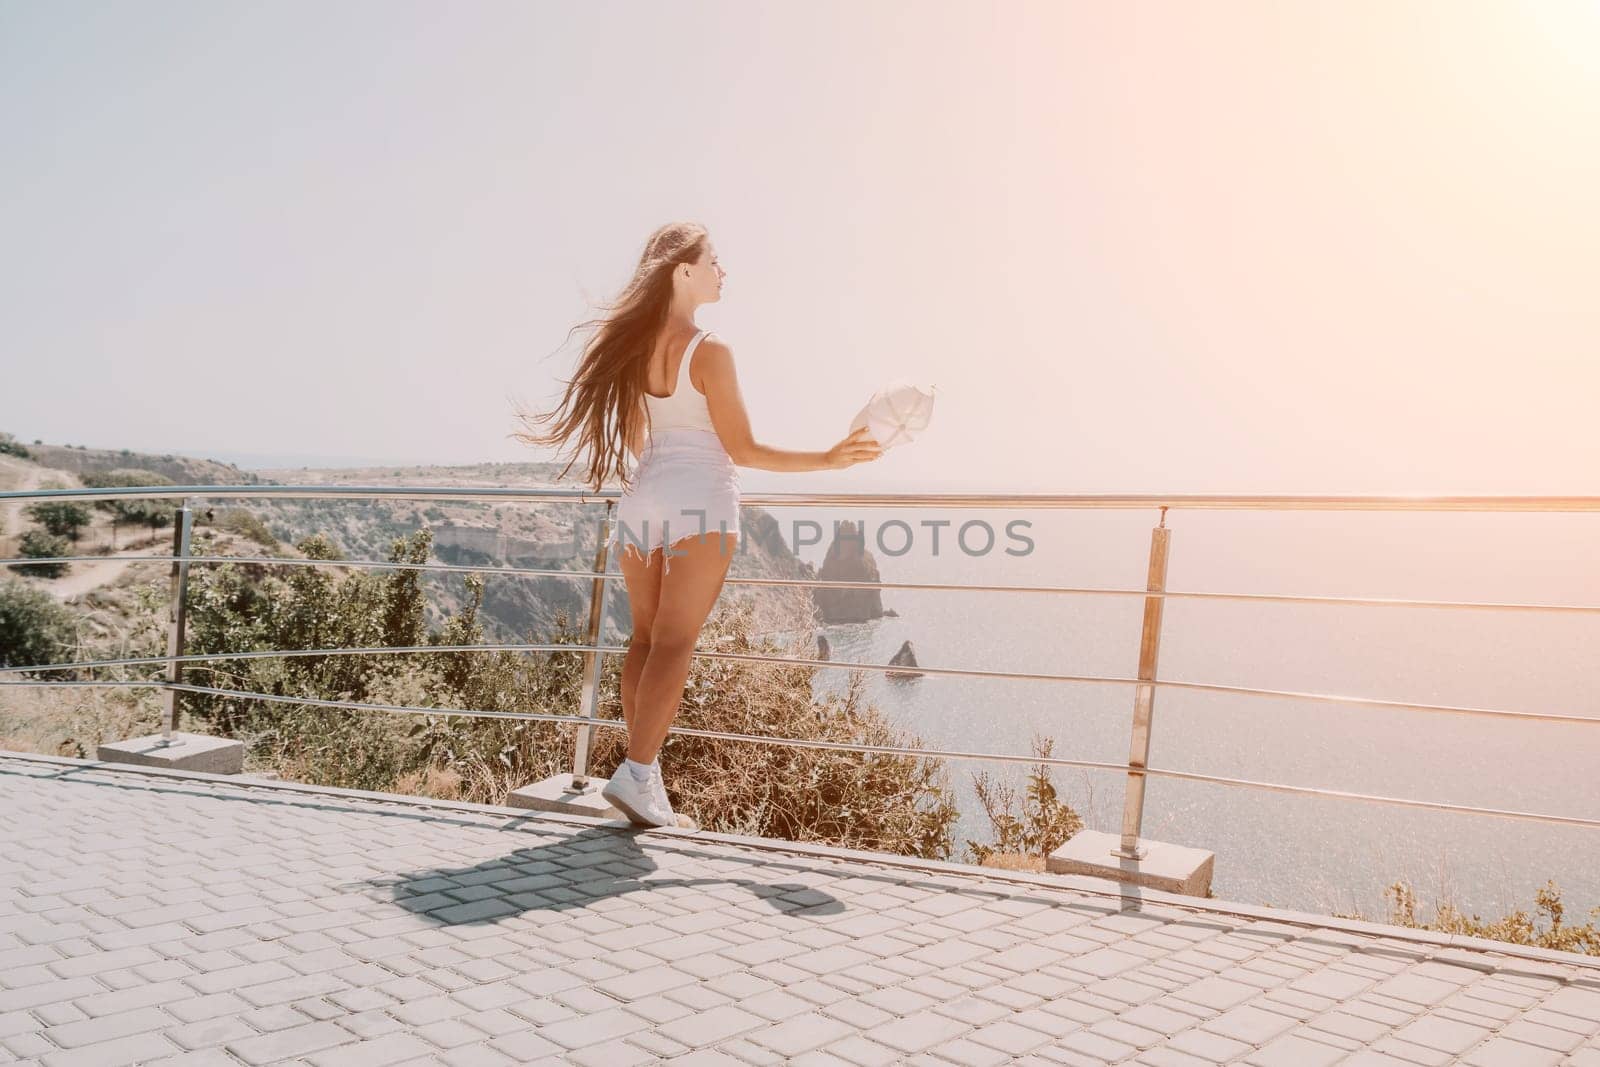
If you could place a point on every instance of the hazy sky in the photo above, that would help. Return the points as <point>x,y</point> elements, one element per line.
<point>1269,247</point>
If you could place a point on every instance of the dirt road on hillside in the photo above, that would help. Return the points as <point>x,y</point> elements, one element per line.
<point>81,577</point>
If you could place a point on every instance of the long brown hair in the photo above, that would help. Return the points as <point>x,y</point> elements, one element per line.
<point>603,404</point>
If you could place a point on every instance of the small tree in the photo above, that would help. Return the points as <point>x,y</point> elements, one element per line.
<point>404,602</point>
<point>152,512</point>
<point>1045,823</point>
<point>64,518</point>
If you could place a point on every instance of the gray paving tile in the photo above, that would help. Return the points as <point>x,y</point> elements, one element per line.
<point>227,923</point>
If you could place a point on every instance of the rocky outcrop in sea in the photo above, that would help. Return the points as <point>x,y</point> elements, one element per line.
<point>848,560</point>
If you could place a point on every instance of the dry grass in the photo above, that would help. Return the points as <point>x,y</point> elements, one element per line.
<point>887,803</point>
<point>1519,927</point>
<point>74,722</point>
<point>1011,861</point>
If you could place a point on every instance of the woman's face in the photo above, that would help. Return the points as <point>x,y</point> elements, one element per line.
<point>706,275</point>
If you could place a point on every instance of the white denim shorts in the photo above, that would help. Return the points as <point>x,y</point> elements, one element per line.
<point>686,485</point>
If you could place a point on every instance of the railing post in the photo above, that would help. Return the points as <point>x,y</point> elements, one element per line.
<point>591,660</point>
<point>1145,696</point>
<point>182,528</point>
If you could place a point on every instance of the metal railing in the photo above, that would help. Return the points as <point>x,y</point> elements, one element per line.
<point>1146,683</point>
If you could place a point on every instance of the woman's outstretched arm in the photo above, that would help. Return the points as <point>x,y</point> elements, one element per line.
<point>732,423</point>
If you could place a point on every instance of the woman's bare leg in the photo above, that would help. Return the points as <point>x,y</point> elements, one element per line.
<point>642,576</point>
<point>690,586</point>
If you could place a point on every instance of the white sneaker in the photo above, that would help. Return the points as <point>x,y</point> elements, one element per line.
<point>635,799</point>
<point>659,788</point>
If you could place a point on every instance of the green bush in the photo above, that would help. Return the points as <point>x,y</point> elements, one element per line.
<point>247,525</point>
<point>1044,824</point>
<point>36,544</point>
<point>34,628</point>
<point>888,803</point>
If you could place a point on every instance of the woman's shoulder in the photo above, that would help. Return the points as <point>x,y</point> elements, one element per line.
<point>712,351</point>
<point>713,342</point>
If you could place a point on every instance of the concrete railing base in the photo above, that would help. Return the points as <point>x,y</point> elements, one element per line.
<point>556,794</point>
<point>188,752</point>
<point>1169,868</point>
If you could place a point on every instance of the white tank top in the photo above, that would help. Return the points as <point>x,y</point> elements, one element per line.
<point>686,408</point>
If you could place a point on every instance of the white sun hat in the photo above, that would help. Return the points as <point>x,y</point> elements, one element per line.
<point>897,412</point>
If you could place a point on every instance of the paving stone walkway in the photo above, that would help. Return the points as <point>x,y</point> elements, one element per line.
<point>147,919</point>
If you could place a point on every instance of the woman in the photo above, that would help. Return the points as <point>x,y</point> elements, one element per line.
<point>654,383</point>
